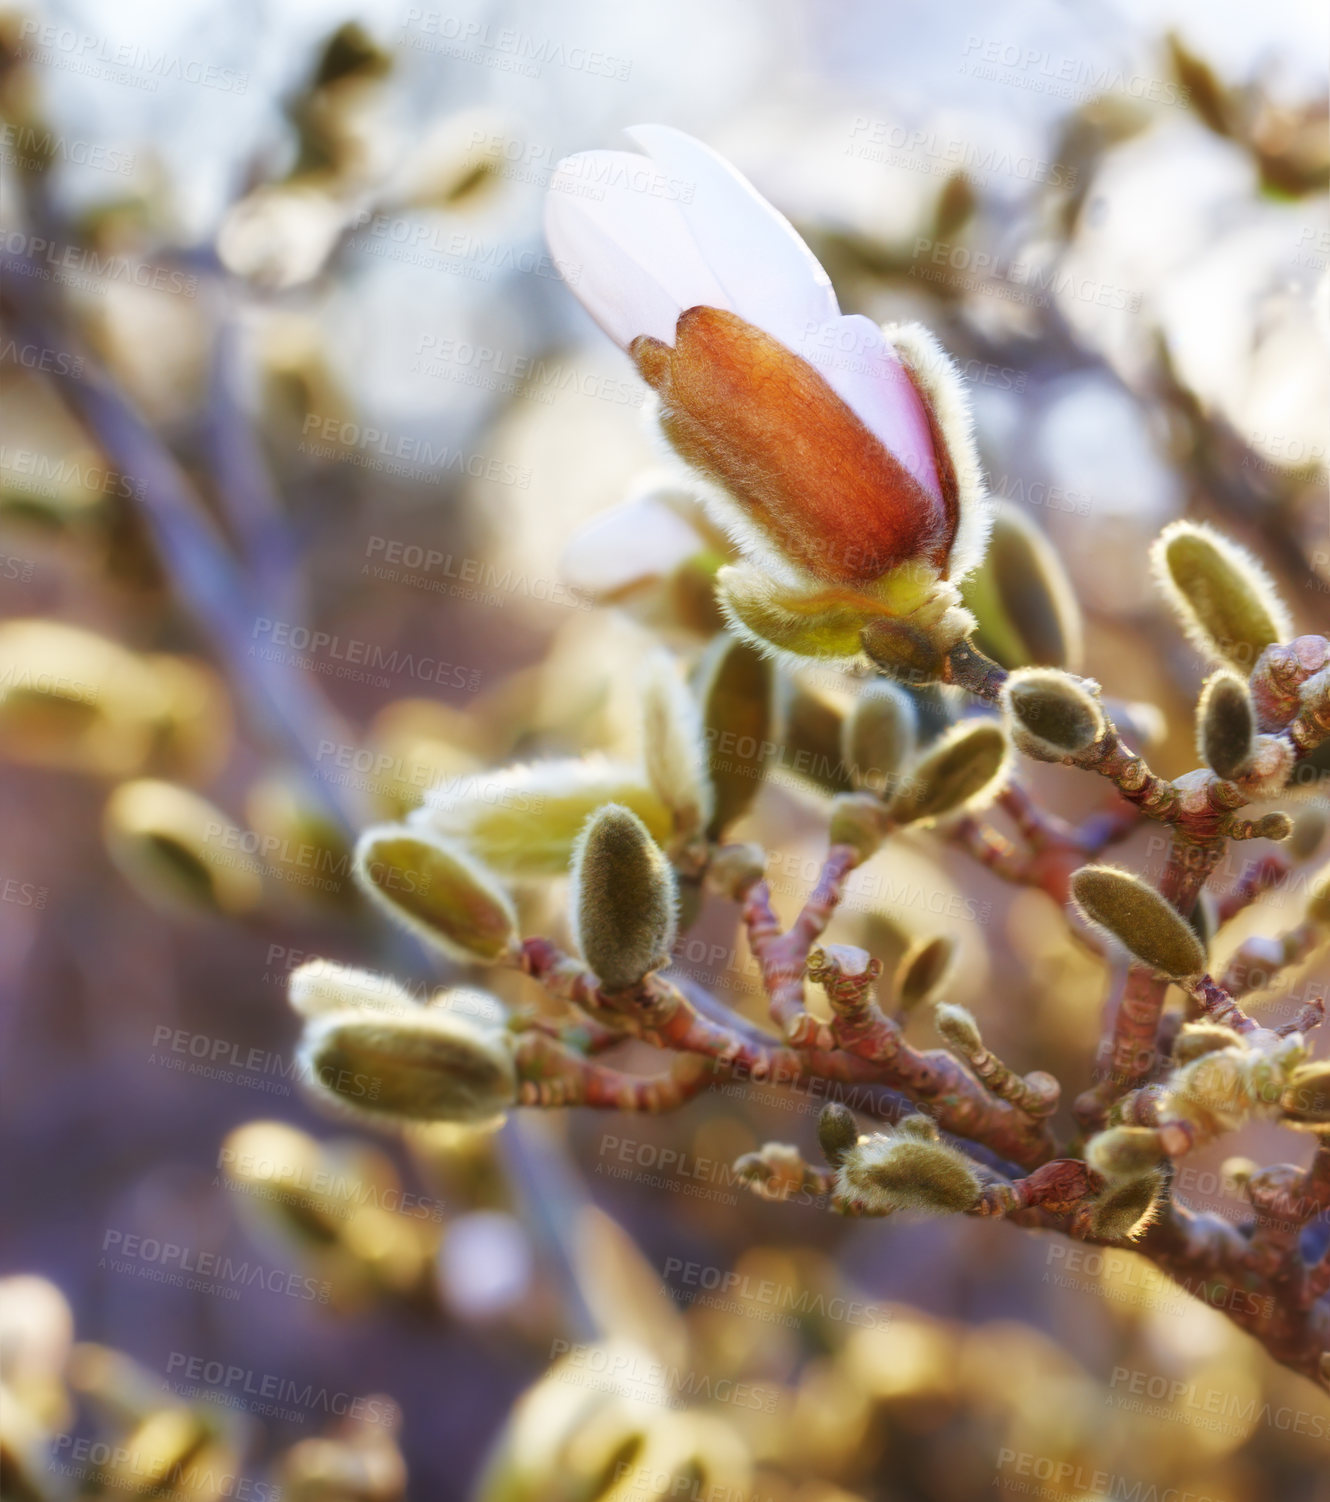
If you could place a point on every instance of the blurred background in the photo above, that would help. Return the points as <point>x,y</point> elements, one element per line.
<point>303,439</point>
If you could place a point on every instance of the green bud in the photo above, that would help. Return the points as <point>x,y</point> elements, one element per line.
<point>963,768</point>
<point>856,820</point>
<point>280,809</point>
<point>1053,715</point>
<point>1140,919</point>
<point>425,1065</point>
<point>1223,597</point>
<point>1307,1098</point>
<point>436,888</point>
<point>900,1171</point>
<point>320,986</point>
<point>922,969</point>
<point>1124,1152</point>
<point>919,1126</point>
<point>1226,724</point>
<point>76,701</point>
<point>837,1132</point>
<point>1318,900</point>
<point>624,899</point>
<point>879,736</point>
<point>1125,1208</point>
<point>958,1027</point>
<point>736,695</point>
<point>179,851</point>
<point>904,651</point>
<point>1275,826</point>
<point>1020,594</point>
<point>810,727</point>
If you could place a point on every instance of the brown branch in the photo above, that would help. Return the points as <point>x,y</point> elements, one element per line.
<point>782,956</point>
<point>551,1074</point>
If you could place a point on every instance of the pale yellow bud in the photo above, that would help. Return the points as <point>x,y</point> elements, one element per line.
<point>962,769</point>
<point>1223,597</point>
<point>320,986</point>
<point>524,821</point>
<point>1124,1152</point>
<point>179,851</point>
<point>902,1171</point>
<point>674,746</point>
<point>439,890</point>
<point>430,1064</point>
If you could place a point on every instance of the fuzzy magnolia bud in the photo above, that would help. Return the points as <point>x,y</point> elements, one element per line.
<point>437,889</point>
<point>524,821</point>
<point>1022,598</point>
<point>736,694</point>
<point>430,1064</point>
<point>902,1171</point>
<point>879,736</point>
<point>300,831</point>
<point>1214,1091</point>
<point>624,899</point>
<point>1226,724</point>
<point>320,986</point>
<point>674,746</point>
<point>856,482</point>
<point>1125,1209</point>
<point>1197,1038</point>
<point>1306,1101</point>
<point>906,650</point>
<point>856,820</point>
<point>1053,715</point>
<point>837,1132</point>
<point>958,1027</point>
<point>961,769</point>
<point>1223,597</point>
<point>1140,919</point>
<point>920,1126</point>
<point>922,969</point>
<point>733,869</point>
<point>810,725</point>
<point>178,850</point>
<point>1124,1152</point>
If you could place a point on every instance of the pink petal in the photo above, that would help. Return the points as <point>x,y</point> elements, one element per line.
<point>637,266</point>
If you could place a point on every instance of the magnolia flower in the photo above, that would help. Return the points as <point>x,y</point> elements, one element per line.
<point>837,454</point>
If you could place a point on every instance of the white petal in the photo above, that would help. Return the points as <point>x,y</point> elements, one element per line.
<point>771,278</point>
<point>856,361</point>
<point>639,539</point>
<point>624,246</point>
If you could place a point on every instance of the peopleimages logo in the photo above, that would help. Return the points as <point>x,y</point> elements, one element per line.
<point>53,45</point>
<point>178,1266</point>
<point>271,1395</point>
<point>143,1473</point>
